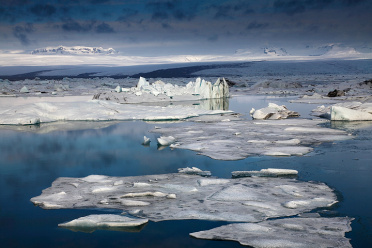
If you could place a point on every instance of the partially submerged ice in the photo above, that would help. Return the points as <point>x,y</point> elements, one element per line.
<point>238,139</point>
<point>270,172</point>
<point>94,222</point>
<point>179,196</point>
<point>273,112</point>
<point>345,111</point>
<point>289,232</point>
<point>160,91</point>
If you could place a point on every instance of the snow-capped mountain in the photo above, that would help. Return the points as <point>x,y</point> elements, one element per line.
<point>265,51</point>
<point>75,50</point>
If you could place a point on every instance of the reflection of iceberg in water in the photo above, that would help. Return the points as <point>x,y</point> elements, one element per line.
<point>215,104</point>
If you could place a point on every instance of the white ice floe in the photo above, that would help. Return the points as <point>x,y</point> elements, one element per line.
<point>273,112</point>
<point>290,137</point>
<point>252,200</point>
<point>185,196</point>
<point>289,232</point>
<point>34,112</point>
<point>160,91</point>
<point>103,221</point>
<point>270,172</point>
<point>166,140</point>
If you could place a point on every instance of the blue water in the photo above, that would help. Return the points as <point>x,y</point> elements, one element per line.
<point>31,161</point>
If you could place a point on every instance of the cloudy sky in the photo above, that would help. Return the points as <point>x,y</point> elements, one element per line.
<point>172,27</point>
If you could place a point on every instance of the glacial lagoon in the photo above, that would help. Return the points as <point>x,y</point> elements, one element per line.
<point>34,156</point>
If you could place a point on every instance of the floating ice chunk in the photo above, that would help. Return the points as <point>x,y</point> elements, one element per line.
<point>24,90</point>
<point>166,141</point>
<point>265,173</point>
<point>146,141</point>
<point>313,203</point>
<point>103,221</point>
<point>339,113</point>
<point>118,89</point>
<point>273,112</point>
<point>194,171</point>
<point>290,232</point>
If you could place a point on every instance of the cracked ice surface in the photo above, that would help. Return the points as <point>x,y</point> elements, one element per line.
<point>289,232</point>
<point>233,140</point>
<point>183,196</point>
<point>94,110</point>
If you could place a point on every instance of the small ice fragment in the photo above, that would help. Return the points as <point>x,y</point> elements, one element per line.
<point>24,90</point>
<point>166,141</point>
<point>104,220</point>
<point>194,171</point>
<point>118,89</point>
<point>146,141</point>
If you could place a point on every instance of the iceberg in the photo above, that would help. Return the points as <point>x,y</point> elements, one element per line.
<point>160,91</point>
<point>166,141</point>
<point>273,112</point>
<point>339,113</point>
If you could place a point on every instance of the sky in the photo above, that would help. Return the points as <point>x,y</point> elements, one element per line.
<point>172,27</point>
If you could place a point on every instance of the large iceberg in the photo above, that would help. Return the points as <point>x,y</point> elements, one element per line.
<point>160,91</point>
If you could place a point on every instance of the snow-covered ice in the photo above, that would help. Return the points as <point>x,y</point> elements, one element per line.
<point>289,232</point>
<point>345,111</point>
<point>34,111</point>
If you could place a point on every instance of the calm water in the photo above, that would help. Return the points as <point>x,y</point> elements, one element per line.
<point>31,161</point>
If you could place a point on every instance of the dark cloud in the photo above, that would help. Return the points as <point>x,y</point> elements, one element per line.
<point>104,28</point>
<point>292,7</point>
<point>164,10</point>
<point>213,38</point>
<point>20,32</point>
<point>13,2</point>
<point>74,26</point>
<point>128,15</point>
<point>256,25</point>
<point>43,10</point>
